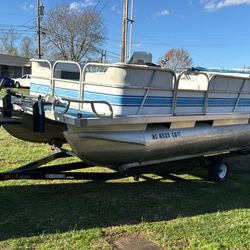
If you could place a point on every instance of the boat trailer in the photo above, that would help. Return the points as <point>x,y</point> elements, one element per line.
<point>36,171</point>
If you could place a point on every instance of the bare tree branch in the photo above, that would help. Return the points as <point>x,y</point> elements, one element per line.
<point>27,47</point>
<point>72,34</point>
<point>176,59</point>
<point>8,40</point>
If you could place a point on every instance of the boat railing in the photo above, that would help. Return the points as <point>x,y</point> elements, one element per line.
<point>126,85</point>
<point>92,104</point>
<point>44,61</point>
<point>129,66</point>
<point>238,91</point>
<point>221,93</point>
<point>189,93</point>
<point>56,79</point>
<point>41,73</point>
<point>83,77</point>
<point>178,91</point>
<point>38,75</point>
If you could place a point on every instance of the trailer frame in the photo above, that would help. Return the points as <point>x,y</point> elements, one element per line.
<point>36,171</point>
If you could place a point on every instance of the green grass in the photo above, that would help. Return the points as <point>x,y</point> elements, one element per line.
<point>178,211</point>
<point>20,90</point>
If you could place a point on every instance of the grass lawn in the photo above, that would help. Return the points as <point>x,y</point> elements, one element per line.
<point>20,90</point>
<point>178,211</point>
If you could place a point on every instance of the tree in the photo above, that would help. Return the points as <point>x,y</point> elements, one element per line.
<point>27,47</point>
<point>8,40</point>
<point>71,34</point>
<point>176,59</point>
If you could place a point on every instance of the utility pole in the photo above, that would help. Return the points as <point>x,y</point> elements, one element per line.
<point>40,13</point>
<point>124,31</point>
<point>131,20</point>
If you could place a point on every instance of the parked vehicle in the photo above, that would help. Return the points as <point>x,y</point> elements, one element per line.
<point>7,81</point>
<point>23,81</point>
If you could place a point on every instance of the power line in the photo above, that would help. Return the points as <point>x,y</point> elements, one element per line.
<point>113,53</point>
<point>95,6</point>
<point>15,26</point>
<point>197,44</point>
<point>11,14</point>
<point>191,37</point>
<point>185,44</point>
<point>104,6</point>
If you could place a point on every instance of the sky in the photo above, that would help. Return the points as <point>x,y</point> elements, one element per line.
<point>216,33</point>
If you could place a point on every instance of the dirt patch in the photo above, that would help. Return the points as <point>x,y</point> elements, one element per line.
<point>128,241</point>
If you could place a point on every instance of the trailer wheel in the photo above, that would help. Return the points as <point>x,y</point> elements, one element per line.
<point>136,177</point>
<point>218,170</point>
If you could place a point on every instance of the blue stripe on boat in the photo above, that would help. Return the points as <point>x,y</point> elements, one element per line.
<point>38,88</point>
<point>67,93</point>
<point>135,100</point>
<point>129,100</point>
<point>221,102</point>
<point>244,102</point>
<point>190,102</point>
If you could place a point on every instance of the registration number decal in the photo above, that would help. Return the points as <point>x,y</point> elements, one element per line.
<point>166,135</point>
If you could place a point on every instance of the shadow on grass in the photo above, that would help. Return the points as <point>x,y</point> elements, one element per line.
<point>29,210</point>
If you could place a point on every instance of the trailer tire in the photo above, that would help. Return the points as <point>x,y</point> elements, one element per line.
<point>136,177</point>
<point>218,170</point>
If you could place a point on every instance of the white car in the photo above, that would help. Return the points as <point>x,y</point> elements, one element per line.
<point>23,81</point>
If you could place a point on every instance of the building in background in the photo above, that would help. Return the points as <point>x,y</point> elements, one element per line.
<point>14,66</point>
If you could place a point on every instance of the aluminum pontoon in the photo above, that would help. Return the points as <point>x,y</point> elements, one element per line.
<point>127,116</point>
